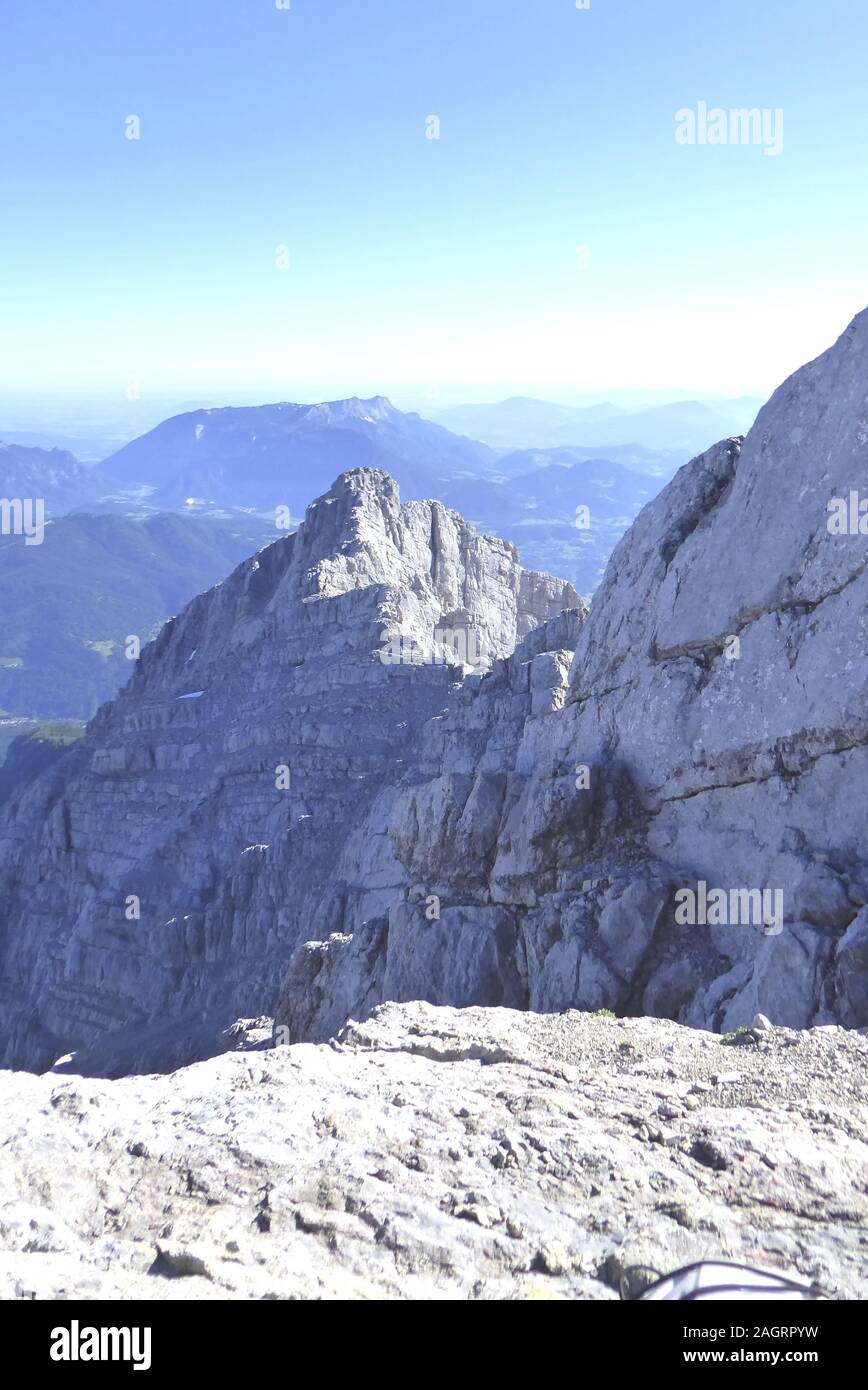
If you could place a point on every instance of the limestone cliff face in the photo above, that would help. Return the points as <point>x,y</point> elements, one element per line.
<point>712,732</point>
<point>214,797</point>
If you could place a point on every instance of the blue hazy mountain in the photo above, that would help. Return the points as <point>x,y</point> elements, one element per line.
<point>54,475</point>
<point>683,428</point>
<point>263,457</point>
<point>661,464</point>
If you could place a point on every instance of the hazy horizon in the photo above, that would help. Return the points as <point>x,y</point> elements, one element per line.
<point>93,427</point>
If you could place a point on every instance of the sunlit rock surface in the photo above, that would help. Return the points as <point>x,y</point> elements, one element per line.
<point>438,1153</point>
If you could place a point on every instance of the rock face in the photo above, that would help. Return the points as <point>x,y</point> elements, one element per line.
<point>438,1153</point>
<point>712,736</point>
<point>444,935</point>
<point>156,880</point>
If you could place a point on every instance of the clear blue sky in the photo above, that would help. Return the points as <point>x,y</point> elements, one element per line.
<point>419,264</point>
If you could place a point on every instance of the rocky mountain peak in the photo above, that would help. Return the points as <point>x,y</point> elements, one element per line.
<point>354,409</point>
<point>260,731</point>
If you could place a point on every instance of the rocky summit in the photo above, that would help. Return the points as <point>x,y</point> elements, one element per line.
<point>441,1153</point>
<point>236,798</point>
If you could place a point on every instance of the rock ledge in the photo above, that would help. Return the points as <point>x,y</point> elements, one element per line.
<point>442,1153</point>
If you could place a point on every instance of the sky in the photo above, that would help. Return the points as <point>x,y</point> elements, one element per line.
<point>284,227</point>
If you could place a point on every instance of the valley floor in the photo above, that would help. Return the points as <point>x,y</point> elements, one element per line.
<point>442,1153</point>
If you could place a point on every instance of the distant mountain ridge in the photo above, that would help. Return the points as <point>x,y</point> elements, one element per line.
<point>55,475</point>
<point>521,422</point>
<point>284,454</point>
<point>259,458</point>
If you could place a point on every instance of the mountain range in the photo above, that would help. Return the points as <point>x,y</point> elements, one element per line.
<point>266,457</point>
<point>118,560</point>
<point>270,456</point>
<point>565,511</point>
<point>680,428</point>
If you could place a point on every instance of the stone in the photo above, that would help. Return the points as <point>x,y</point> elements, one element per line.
<point>290,1173</point>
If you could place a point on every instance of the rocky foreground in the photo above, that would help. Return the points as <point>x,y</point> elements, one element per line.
<point>442,1153</point>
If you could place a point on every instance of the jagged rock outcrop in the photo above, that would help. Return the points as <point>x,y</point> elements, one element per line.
<point>433,1153</point>
<point>444,937</point>
<point>712,736</point>
<point>156,879</point>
